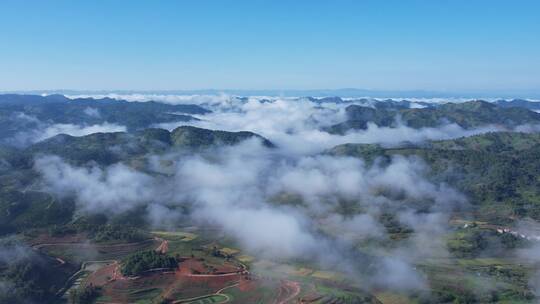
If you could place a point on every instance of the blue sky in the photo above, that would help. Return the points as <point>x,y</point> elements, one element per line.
<point>381,45</point>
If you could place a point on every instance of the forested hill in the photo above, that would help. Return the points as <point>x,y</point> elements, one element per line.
<point>499,171</point>
<point>20,113</point>
<point>467,115</point>
<point>108,148</point>
<point>22,208</point>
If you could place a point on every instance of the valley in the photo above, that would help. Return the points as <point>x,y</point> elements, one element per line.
<point>443,208</point>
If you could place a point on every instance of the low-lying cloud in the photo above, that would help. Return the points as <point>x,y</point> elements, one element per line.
<point>78,130</point>
<point>45,131</point>
<point>273,205</point>
<point>285,203</point>
<point>296,125</point>
<point>114,189</point>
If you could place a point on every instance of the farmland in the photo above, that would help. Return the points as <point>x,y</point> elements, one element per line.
<point>209,268</point>
<point>194,215</point>
<point>207,272</point>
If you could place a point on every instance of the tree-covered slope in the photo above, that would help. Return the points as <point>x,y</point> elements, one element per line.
<point>27,276</point>
<point>500,172</point>
<point>198,137</point>
<point>20,113</point>
<point>468,115</point>
<point>22,207</point>
<point>519,103</point>
<point>140,262</point>
<point>108,148</point>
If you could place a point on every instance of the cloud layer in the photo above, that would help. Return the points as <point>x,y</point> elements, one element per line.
<point>276,206</point>
<point>42,130</point>
<point>290,202</point>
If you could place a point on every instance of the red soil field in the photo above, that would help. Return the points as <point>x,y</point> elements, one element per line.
<point>192,278</point>
<point>288,290</point>
<point>44,239</point>
<point>101,276</point>
<point>247,285</point>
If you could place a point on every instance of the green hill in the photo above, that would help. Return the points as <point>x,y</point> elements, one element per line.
<point>19,113</point>
<point>468,115</point>
<point>28,276</point>
<point>197,137</point>
<point>21,208</point>
<point>499,171</point>
<point>108,148</point>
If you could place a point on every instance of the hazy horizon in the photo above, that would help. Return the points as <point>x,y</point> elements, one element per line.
<point>341,92</point>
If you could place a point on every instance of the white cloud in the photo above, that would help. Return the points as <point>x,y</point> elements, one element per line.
<point>296,125</point>
<point>115,189</point>
<point>45,131</point>
<point>79,130</point>
<point>92,112</point>
<point>237,189</point>
<point>281,203</point>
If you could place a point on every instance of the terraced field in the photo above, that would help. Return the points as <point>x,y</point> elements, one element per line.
<point>209,272</point>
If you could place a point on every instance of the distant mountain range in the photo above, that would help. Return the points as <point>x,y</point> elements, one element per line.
<point>467,115</point>
<point>498,171</point>
<point>520,103</point>
<point>345,92</point>
<point>21,113</point>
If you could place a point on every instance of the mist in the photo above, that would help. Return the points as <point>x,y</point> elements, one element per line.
<point>287,203</point>
<point>275,205</point>
<point>41,130</point>
<point>296,125</point>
